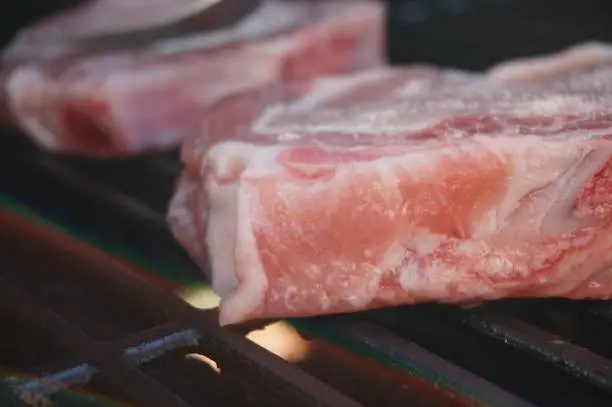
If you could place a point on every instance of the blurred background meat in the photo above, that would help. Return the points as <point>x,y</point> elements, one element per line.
<point>128,102</point>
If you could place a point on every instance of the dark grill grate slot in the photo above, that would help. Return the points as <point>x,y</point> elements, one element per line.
<point>21,350</point>
<point>430,380</point>
<point>205,383</point>
<point>255,367</point>
<point>149,179</point>
<point>96,314</point>
<point>450,333</point>
<point>49,184</point>
<point>366,380</point>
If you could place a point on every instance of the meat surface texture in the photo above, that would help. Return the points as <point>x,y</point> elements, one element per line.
<point>122,103</point>
<point>397,186</point>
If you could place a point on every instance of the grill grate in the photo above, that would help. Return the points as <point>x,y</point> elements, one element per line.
<point>492,347</point>
<point>158,326</point>
<point>116,364</point>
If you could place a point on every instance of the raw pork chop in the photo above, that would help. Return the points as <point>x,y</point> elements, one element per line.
<point>127,102</point>
<point>396,186</point>
<point>578,58</point>
<point>94,17</point>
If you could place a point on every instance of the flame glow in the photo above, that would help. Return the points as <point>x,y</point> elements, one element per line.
<point>279,337</point>
<point>283,340</point>
<point>200,297</point>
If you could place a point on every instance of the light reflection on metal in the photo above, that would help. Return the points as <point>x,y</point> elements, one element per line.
<point>80,375</point>
<point>75,376</point>
<point>151,350</point>
<point>204,359</point>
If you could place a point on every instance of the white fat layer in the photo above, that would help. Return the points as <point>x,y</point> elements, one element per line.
<point>576,57</point>
<point>221,236</point>
<point>558,219</point>
<point>23,85</point>
<point>325,89</point>
<point>536,163</point>
<point>249,297</point>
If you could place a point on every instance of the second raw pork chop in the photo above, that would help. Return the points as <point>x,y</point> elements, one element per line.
<point>121,103</point>
<point>397,186</point>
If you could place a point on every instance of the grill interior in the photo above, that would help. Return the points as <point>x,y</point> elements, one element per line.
<point>85,327</point>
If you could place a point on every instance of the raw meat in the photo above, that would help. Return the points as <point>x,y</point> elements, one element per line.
<point>396,186</point>
<point>131,102</point>
<point>95,17</point>
<point>578,58</point>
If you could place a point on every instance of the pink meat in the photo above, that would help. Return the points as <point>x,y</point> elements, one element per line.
<point>131,102</point>
<point>397,186</point>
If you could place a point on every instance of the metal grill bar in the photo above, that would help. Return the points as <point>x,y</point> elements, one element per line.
<point>149,345</point>
<point>111,195</point>
<point>368,336</point>
<point>75,376</point>
<point>38,177</point>
<point>492,357</point>
<point>130,181</point>
<point>119,374</point>
<point>262,368</point>
<point>548,347</point>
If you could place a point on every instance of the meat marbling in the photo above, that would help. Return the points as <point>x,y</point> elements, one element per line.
<point>401,185</point>
<point>122,103</point>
